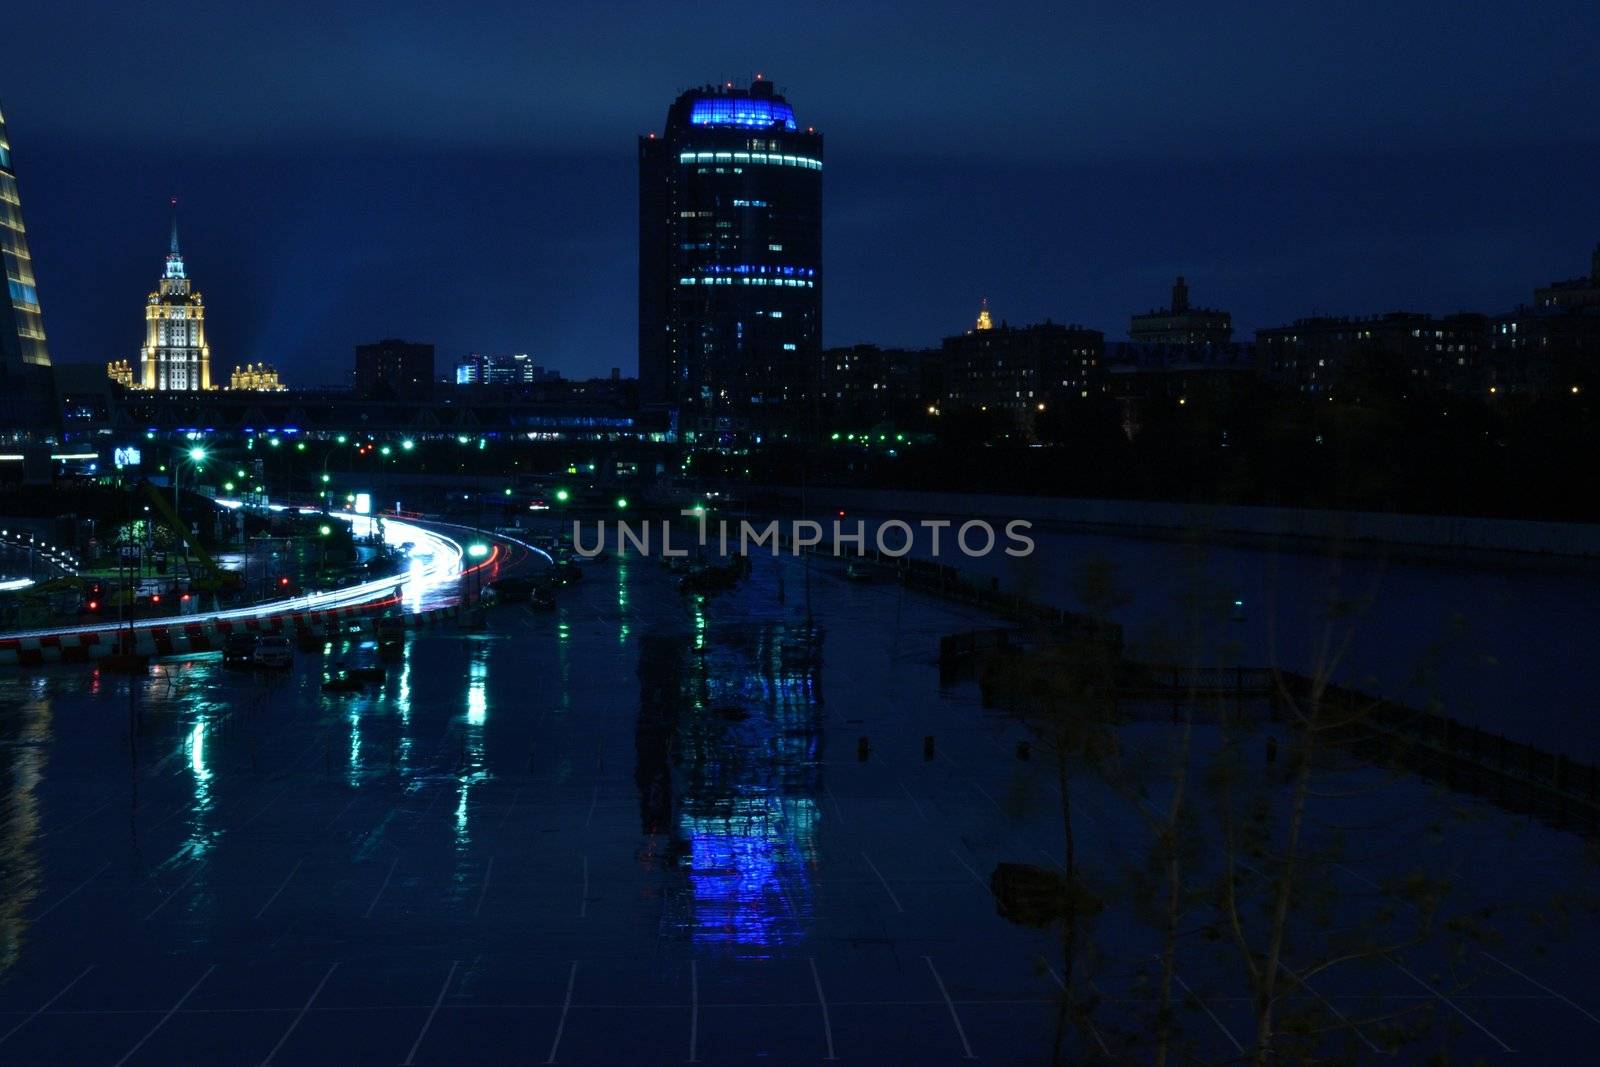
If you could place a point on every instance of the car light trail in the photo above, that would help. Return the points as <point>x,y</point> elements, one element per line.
<point>435,567</point>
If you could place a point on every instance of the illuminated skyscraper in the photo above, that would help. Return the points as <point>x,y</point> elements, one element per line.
<point>25,388</point>
<point>730,255</point>
<point>175,355</point>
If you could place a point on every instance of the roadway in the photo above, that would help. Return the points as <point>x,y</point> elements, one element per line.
<point>431,579</point>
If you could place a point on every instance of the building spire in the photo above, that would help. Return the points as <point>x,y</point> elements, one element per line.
<point>175,257</point>
<point>984,322</point>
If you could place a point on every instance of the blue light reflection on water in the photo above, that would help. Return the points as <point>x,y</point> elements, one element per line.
<point>748,778</point>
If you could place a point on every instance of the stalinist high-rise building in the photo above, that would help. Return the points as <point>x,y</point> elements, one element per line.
<point>175,355</point>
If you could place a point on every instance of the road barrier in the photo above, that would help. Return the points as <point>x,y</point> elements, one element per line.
<point>204,635</point>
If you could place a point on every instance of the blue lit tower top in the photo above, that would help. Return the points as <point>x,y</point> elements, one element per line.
<point>730,256</point>
<point>747,112</point>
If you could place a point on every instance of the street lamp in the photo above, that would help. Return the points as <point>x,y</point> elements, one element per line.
<point>196,455</point>
<point>477,550</point>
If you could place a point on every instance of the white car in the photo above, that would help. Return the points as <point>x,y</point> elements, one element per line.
<point>274,650</point>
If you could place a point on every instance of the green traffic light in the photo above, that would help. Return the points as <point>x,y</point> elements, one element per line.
<point>562,495</point>
<point>622,502</point>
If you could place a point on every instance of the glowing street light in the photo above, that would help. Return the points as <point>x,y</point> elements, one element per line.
<point>197,454</point>
<point>563,496</point>
<point>622,502</point>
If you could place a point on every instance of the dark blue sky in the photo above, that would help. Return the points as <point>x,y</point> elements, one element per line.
<point>465,173</point>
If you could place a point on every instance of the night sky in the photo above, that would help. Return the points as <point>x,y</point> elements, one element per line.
<point>465,174</point>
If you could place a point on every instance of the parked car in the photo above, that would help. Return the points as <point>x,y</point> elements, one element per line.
<point>239,650</point>
<point>337,679</point>
<point>391,637</point>
<point>510,590</point>
<point>273,650</point>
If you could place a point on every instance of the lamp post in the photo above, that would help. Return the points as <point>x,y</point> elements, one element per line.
<point>323,531</point>
<point>195,455</point>
<point>477,550</point>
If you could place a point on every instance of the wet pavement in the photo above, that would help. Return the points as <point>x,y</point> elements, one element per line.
<point>639,829</point>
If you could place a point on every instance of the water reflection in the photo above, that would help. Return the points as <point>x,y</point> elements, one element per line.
<point>401,752</point>
<point>622,603</point>
<point>728,770</point>
<point>24,737</point>
<point>473,769</point>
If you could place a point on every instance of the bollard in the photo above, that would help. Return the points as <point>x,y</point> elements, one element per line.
<point>927,748</point>
<point>863,749</point>
<point>1024,750</point>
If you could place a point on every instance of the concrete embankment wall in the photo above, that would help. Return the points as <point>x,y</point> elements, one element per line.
<point>1429,536</point>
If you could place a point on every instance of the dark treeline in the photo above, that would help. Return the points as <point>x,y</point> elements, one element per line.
<point>1393,451</point>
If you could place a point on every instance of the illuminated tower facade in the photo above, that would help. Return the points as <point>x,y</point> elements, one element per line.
<point>175,355</point>
<point>25,385</point>
<point>730,256</point>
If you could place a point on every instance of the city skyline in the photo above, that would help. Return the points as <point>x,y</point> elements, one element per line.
<point>883,533</point>
<point>942,186</point>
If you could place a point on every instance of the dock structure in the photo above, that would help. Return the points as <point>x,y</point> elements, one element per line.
<point>1514,775</point>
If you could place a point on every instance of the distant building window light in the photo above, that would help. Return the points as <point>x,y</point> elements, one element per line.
<point>788,346</point>
<point>774,248</point>
<point>22,295</point>
<point>768,158</point>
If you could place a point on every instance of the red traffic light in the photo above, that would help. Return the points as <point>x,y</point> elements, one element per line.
<point>94,605</point>
<point>155,598</point>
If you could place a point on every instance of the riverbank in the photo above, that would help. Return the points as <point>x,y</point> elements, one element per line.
<point>1442,538</point>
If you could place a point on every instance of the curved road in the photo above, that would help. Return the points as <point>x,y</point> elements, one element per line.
<point>432,580</point>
